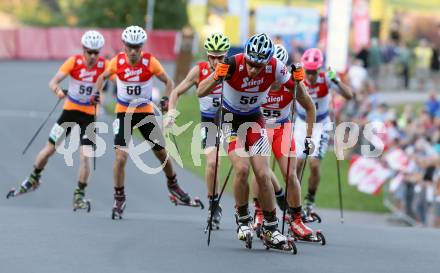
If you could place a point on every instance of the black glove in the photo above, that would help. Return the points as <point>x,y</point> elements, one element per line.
<point>308,146</point>
<point>164,103</point>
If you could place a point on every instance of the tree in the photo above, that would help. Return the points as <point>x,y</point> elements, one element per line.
<point>169,14</point>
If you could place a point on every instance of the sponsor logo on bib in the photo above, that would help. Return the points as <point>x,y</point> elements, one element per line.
<point>121,61</point>
<point>250,82</point>
<point>273,99</point>
<point>204,71</point>
<point>131,73</point>
<point>86,74</point>
<point>145,61</point>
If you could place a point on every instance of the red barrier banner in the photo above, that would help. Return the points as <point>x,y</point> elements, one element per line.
<point>62,42</point>
<point>8,44</point>
<point>32,43</point>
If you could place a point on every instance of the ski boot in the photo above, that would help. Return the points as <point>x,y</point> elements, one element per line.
<point>300,232</point>
<point>244,229</point>
<point>216,215</point>
<point>79,202</point>
<point>118,206</point>
<point>258,220</point>
<point>272,238</point>
<point>180,198</point>
<point>309,215</point>
<point>30,184</point>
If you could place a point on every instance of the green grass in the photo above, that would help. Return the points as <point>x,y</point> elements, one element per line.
<point>327,196</point>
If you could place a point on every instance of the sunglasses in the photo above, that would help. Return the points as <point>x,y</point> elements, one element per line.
<point>216,57</point>
<point>136,47</point>
<point>92,52</point>
<point>312,72</point>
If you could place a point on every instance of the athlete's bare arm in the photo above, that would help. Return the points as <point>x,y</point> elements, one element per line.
<point>306,102</point>
<point>185,85</point>
<point>55,81</point>
<point>100,83</point>
<point>345,90</point>
<point>206,86</point>
<point>169,83</point>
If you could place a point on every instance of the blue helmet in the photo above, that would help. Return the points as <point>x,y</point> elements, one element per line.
<point>259,49</point>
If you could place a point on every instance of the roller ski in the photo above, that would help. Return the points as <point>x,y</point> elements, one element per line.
<point>29,185</point>
<point>273,239</point>
<point>300,232</point>
<point>244,229</point>
<point>258,220</point>
<point>309,215</point>
<point>180,198</point>
<point>216,216</point>
<point>79,202</point>
<point>196,203</point>
<point>118,207</point>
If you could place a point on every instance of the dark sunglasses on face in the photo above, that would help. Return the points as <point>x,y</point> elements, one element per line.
<point>216,57</point>
<point>136,47</point>
<point>312,72</point>
<point>92,52</point>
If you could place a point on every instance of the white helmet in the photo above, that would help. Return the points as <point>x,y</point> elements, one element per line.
<point>134,35</point>
<point>281,53</point>
<point>92,39</point>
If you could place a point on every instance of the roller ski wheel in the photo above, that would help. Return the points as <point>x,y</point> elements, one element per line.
<point>317,237</point>
<point>117,211</point>
<point>12,193</point>
<point>83,204</point>
<point>25,187</point>
<point>244,233</point>
<point>310,217</point>
<point>288,246</point>
<point>248,241</point>
<point>258,231</point>
<point>196,203</point>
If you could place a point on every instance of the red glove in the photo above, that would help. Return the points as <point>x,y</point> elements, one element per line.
<point>221,70</point>
<point>297,72</point>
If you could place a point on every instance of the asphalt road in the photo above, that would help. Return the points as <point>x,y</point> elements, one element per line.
<point>40,233</point>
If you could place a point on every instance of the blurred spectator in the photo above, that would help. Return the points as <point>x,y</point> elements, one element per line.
<point>357,76</point>
<point>378,114</point>
<point>435,66</point>
<point>363,56</point>
<point>278,40</point>
<point>437,205</point>
<point>186,46</point>
<point>404,63</point>
<point>389,53</point>
<point>374,59</point>
<point>432,106</point>
<point>422,55</point>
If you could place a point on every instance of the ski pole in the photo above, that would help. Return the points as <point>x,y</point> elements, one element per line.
<point>294,67</point>
<point>217,147</point>
<point>42,125</point>
<point>94,144</point>
<point>338,170</point>
<point>216,204</point>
